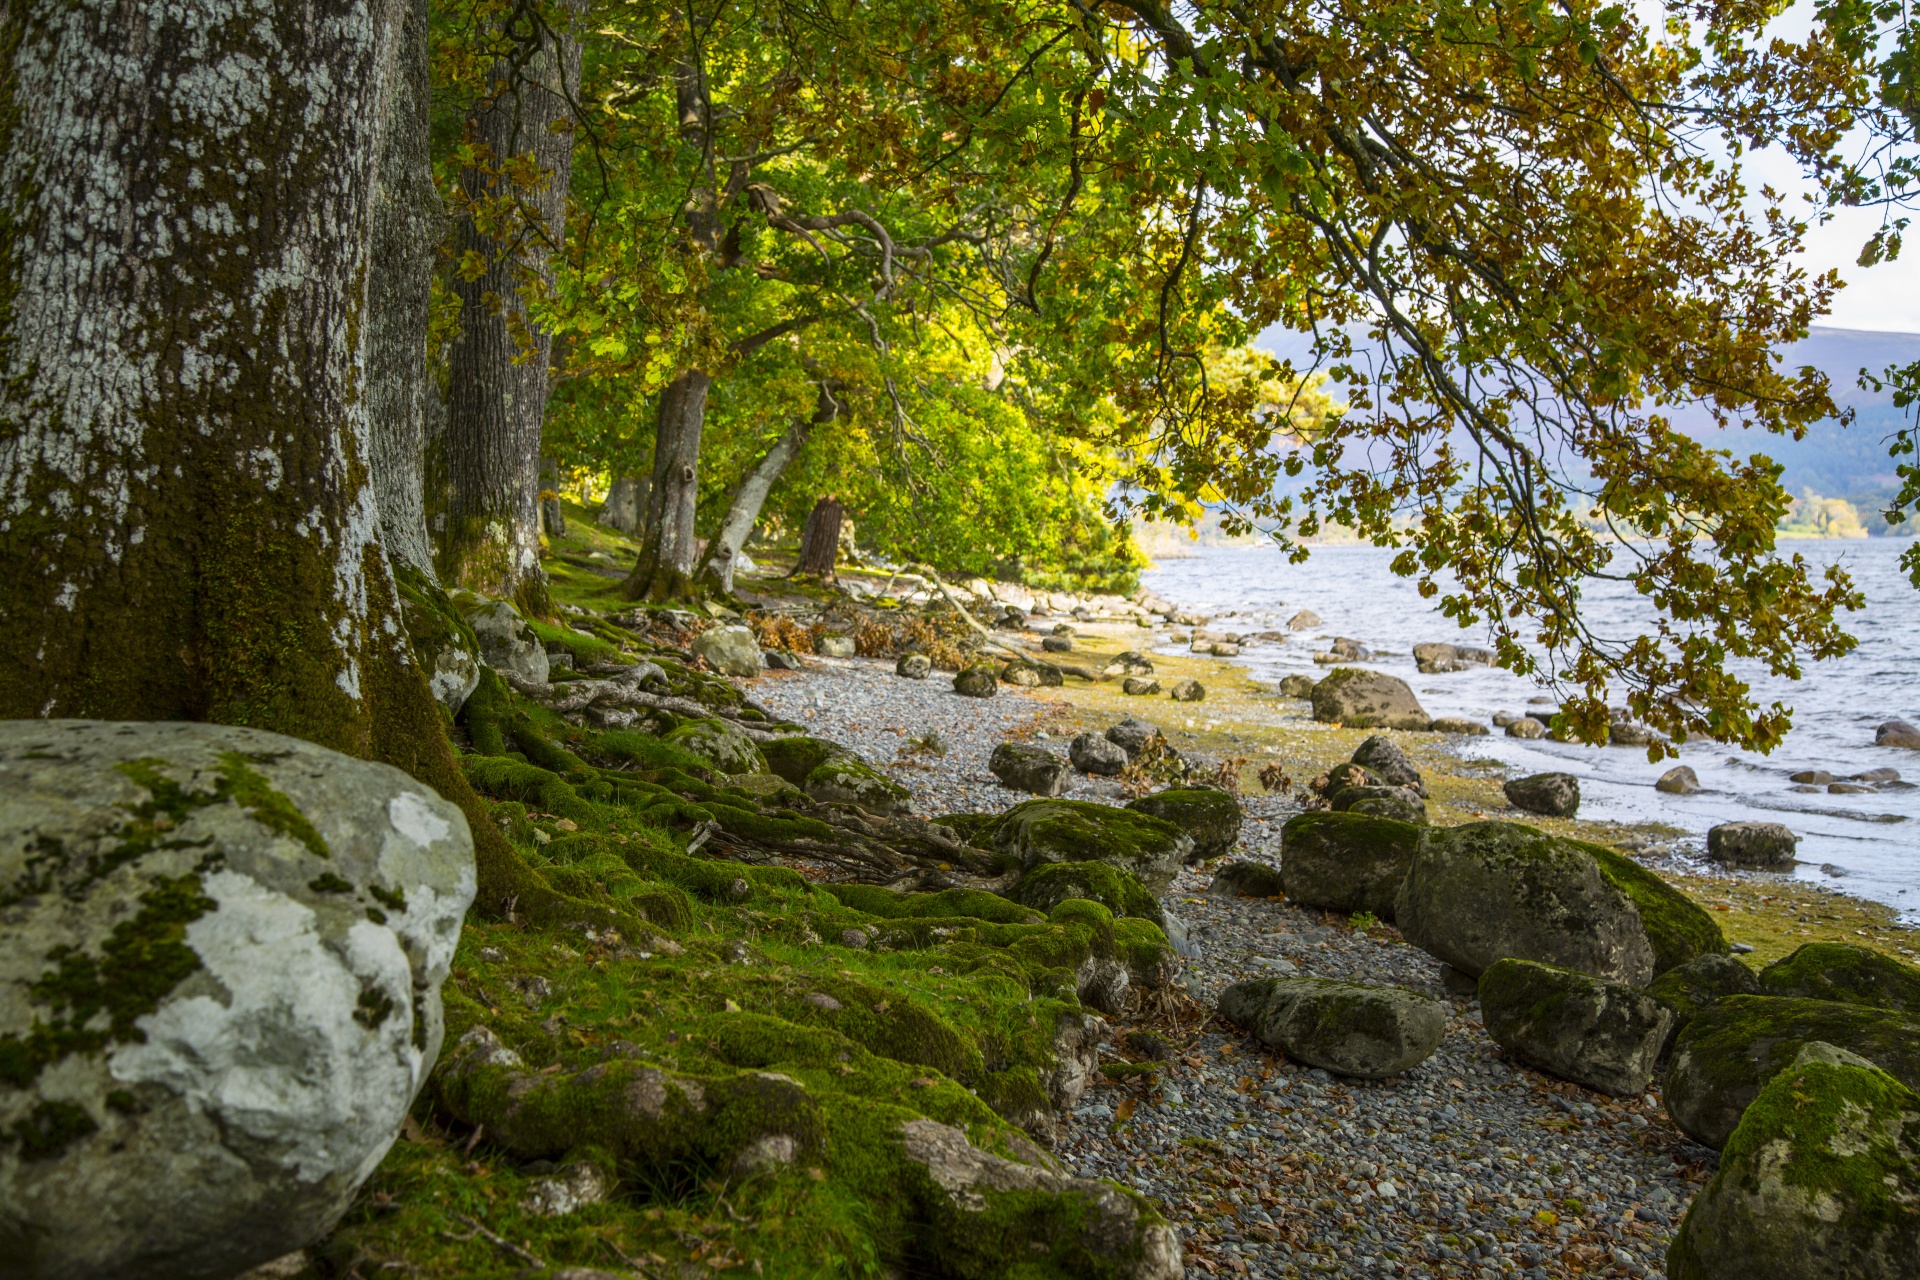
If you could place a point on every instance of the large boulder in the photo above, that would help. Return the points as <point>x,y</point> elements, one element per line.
<point>1553,795</point>
<point>1680,780</point>
<point>1210,817</point>
<point>1593,1032</point>
<point>1045,831</point>
<point>1402,804</point>
<point>1025,767</point>
<point>507,643</point>
<point>1484,891</point>
<point>1389,763</point>
<point>1344,1027</point>
<point>1732,1048</point>
<point>1367,700</point>
<point>1820,1180</point>
<point>730,650</point>
<point>1691,987</point>
<point>219,993</point>
<point>1751,844</point>
<point>1092,753</point>
<point>723,744</point>
<point>1852,975</point>
<point>847,779</point>
<point>1187,691</point>
<point>1346,862</point>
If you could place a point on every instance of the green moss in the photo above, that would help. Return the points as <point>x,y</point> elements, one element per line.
<point>585,650</point>
<point>1678,929</point>
<point>330,883</point>
<point>1117,890</point>
<point>486,712</point>
<point>796,756</point>
<point>974,828</point>
<point>1853,975</point>
<point>50,1128</point>
<point>1347,862</point>
<point>1211,818</point>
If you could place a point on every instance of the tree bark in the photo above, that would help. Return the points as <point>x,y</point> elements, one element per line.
<point>626,501</point>
<point>553,517</point>
<point>664,570</point>
<point>744,512</point>
<point>187,524</point>
<point>499,362</point>
<point>820,540</point>
<point>408,221</point>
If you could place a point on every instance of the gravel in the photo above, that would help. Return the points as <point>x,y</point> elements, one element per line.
<point>1466,1165</point>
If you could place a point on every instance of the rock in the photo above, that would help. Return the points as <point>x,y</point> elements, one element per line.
<point>1852,975</point>
<point>1367,700</point>
<point>977,682</point>
<point>1596,1033</point>
<point>443,641</point>
<point>1057,644</point>
<point>1021,674</point>
<point>836,647</point>
<point>1210,817</point>
<point>1820,1179</point>
<point>1345,1027</point>
<point>846,779</point>
<point>1139,686</point>
<point>794,756</point>
<point>1485,891</point>
<point>1188,691</point>
<point>1297,686</point>
<point>1458,725</point>
<point>1688,988</point>
<point>730,650</point>
<point>1896,733</point>
<point>764,786</point>
<point>1092,753</point>
<point>1223,649</point>
<point>1877,775</point>
<point>506,642</point>
<point>1751,844</point>
<point>1849,789</point>
<point>1384,756</point>
<point>1402,804</point>
<point>1046,831</point>
<point>1129,663</point>
<point>1437,659</point>
<point>1733,1047</point>
<point>1347,649</point>
<point>1305,620</point>
<point>1132,735</point>
<point>1025,767</point>
<point>1120,892</point>
<point>1678,781</point>
<point>1818,777</point>
<point>219,993</point>
<point>567,1190</point>
<point>914,666</point>
<point>1247,880</point>
<point>1556,795</point>
<point>1346,862</point>
<point>981,1209</point>
<point>1526,727</point>
<point>722,744</point>
<point>1458,983</point>
<point>1348,774</point>
<point>783,660</point>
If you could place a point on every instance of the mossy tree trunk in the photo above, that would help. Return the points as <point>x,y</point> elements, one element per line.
<point>723,553</point>
<point>189,528</point>
<point>498,392</point>
<point>664,569</point>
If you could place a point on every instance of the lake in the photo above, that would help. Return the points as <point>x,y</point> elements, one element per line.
<point>1867,845</point>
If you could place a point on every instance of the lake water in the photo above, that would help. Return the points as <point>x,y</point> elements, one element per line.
<point>1867,845</point>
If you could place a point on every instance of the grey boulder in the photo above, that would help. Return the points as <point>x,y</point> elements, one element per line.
<point>1435,658</point>
<point>1139,686</point>
<point>1554,795</point>
<point>1751,844</point>
<point>1188,691</point>
<point>507,643</point>
<point>1600,1034</point>
<point>1305,620</point>
<point>1025,767</point>
<point>730,650</point>
<point>1384,756</point>
<point>977,682</point>
<point>1897,733</point>
<point>1344,1027</point>
<point>1247,880</point>
<point>1459,726</point>
<point>1346,862</point>
<point>1297,686</point>
<point>1678,781</point>
<point>1526,727</point>
<point>250,933</point>
<point>1093,753</point>
<point>1132,735</point>
<point>1367,700</point>
<point>836,647</point>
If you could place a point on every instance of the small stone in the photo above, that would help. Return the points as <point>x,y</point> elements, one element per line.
<point>1057,644</point>
<point>1093,753</point>
<point>1458,725</point>
<point>783,660</point>
<point>1850,789</point>
<point>1877,775</point>
<point>1223,649</point>
<point>977,682</point>
<point>1554,795</point>
<point>1132,735</point>
<point>571,1189</point>
<point>1139,686</point>
<point>1247,880</point>
<point>1189,691</point>
<point>1752,844</point>
<point>1680,780</point>
<point>1021,675</point>
<point>1028,768</point>
<point>854,938</point>
<point>730,650</point>
<point>821,1000</point>
<point>1297,686</point>
<point>836,647</point>
<point>1305,620</point>
<point>1524,727</point>
<point>1812,777</point>
<point>1384,756</point>
<point>914,666</point>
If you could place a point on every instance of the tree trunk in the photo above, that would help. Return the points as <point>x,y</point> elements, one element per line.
<point>499,383</point>
<point>664,570</point>
<point>820,541</point>
<point>724,552</point>
<point>408,221</point>
<point>626,500</point>
<point>553,517</point>
<point>188,529</point>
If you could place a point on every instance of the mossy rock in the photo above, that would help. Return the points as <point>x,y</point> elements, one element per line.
<point>795,756</point>
<point>1600,1034</point>
<point>1121,892</point>
<point>1046,831</point>
<point>1346,862</point>
<point>846,779</point>
<point>974,828</point>
<point>721,745</point>
<point>1210,817</point>
<point>1691,987</point>
<point>1821,1178</point>
<point>1354,1029</point>
<point>1735,1046</point>
<point>1852,975</point>
<point>1679,928</point>
<point>1400,804</point>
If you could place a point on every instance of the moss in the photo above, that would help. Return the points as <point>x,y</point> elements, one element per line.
<point>1211,818</point>
<point>486,712</point>
<point>50,1128</point>
<point>1117,890</point>
<point>973,827</point>
<point>643,750</point>
<point>511,780</point>
<point>584,649</point>
<point>724,747</point>
<point>1347,862</point>
<point>1853,975</point>
<point>848,780</point>
<point>1689,988</point>
<point>1678,930</point>
<point>796,756</point>
<point>1042,831</point>
<point>330,883</point>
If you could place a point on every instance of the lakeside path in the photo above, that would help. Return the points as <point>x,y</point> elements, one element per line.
<point>1467,1165</point>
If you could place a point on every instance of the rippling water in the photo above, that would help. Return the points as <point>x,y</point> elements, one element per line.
<point>1867,844</point>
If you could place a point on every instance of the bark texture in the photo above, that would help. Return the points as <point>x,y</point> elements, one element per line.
<point>743,513</point>
<point>664,570</point>
<point>626,502</point>
<point>820,540</point>
<point>498,393</point>
<point>408,221</point>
